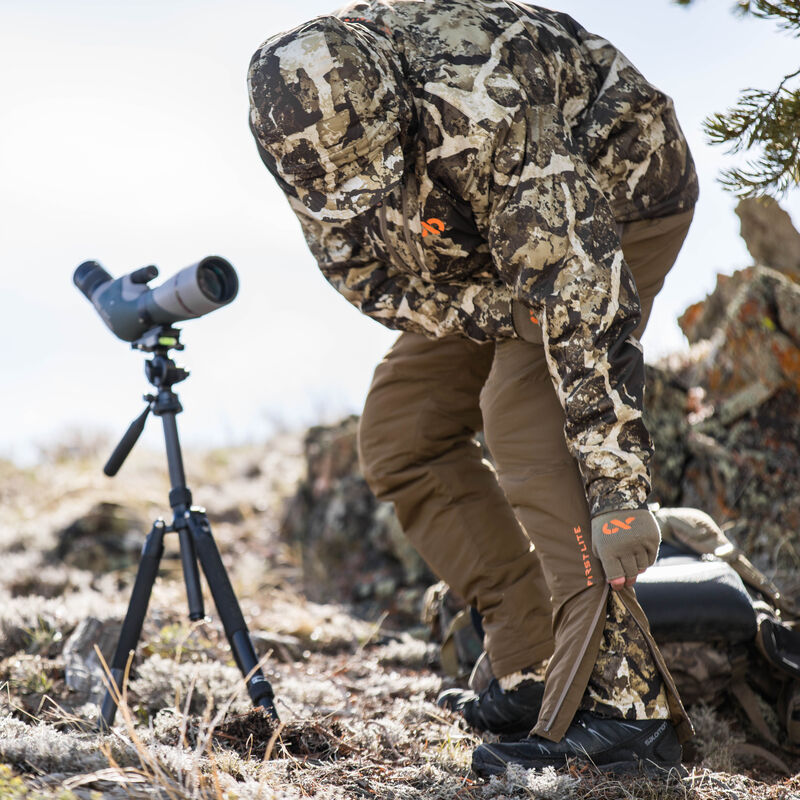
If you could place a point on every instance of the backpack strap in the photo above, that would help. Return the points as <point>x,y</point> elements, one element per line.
<point>747,698</point>
<point>756,579</point>
<point>451,653</point>
<point>789,712</point>
<point>779,644</point>
<point>692,529</point>
<point>753,752</point>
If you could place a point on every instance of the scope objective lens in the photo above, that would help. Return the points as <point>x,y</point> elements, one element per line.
<point>211,281</point>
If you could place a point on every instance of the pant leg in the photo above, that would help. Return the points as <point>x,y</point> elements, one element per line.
<point>524,424</point>
<point>650,248</point>
<point>417,449</point>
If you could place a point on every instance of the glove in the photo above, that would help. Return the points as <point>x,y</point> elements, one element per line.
<point>625,541</point>
<point>525,323</point>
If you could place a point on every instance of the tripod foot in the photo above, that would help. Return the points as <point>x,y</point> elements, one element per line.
<point>269,709</point>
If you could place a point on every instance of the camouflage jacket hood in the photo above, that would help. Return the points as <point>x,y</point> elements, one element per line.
<point>530,140</point>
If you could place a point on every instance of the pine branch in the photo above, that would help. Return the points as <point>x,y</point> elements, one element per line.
<point>785,12</point>
<point>771,121</point>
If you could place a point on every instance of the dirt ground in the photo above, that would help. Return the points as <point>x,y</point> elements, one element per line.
<point>356,698</point>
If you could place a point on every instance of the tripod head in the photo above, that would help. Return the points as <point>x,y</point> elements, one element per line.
<point>161,370</point>
<point>162,337</point>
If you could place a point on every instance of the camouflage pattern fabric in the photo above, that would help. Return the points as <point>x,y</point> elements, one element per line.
<point>523,140</point>
<point>313,111</point>
<point>625,682</point>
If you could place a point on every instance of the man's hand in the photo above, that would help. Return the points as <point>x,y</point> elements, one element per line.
<point>626,542</point>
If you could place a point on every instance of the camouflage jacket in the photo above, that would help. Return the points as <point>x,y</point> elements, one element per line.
<point>529,139</point>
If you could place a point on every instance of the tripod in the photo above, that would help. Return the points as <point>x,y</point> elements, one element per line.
<point>194,535</point>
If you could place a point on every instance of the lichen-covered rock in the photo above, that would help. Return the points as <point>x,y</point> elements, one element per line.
<point>701,319</point>
<point>667,409</point>
<point>752,341</point>
<point>734,449</point>
<point>746,475</point>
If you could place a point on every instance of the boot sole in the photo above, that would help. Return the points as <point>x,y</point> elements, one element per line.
<point>647,768</point>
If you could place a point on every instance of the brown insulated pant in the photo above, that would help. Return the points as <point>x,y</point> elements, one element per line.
<point>427,400</point>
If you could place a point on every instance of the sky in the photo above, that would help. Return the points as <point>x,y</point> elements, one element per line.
<point>124,139</point>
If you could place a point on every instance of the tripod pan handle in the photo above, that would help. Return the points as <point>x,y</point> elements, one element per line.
<point>126,444</point>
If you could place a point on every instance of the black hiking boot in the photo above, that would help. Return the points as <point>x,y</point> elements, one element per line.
<point>512,713</point>
<point>612,745</point>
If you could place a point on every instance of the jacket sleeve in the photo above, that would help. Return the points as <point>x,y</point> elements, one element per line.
<point>554,241</point>
<point>401,300</point>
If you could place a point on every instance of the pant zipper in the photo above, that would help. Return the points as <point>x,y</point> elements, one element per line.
<point>576,664</point>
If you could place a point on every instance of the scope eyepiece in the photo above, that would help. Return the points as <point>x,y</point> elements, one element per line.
<point>130,308</point>
<point>88,276</point>
<point>144,274</point>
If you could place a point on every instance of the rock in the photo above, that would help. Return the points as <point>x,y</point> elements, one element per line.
<point>734,449</point>
<point>108,537</point>
<point>753,337</point>
<point>666,416</point>
<point>285,648</point>
<point>769,235</point>
<point>352,547</point>
<point>83,670</point>
<point>700,320</point>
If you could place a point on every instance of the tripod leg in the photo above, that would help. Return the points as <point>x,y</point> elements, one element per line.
<point>152,551</point>
<point>230,613</point>
<point>191,576</point>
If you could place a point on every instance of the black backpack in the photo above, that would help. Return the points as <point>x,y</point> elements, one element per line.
<point>722,625</point>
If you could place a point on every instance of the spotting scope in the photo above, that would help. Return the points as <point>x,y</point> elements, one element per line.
<point>130,308</point>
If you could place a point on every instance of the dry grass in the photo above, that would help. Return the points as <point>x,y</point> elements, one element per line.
<point>357,706</point>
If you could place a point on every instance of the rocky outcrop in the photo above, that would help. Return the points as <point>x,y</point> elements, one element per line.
<point>769,235</point>
<point>351,546</point>
<point>725,415</point>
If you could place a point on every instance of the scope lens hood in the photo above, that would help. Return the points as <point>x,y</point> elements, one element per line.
<point>217,280</point>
